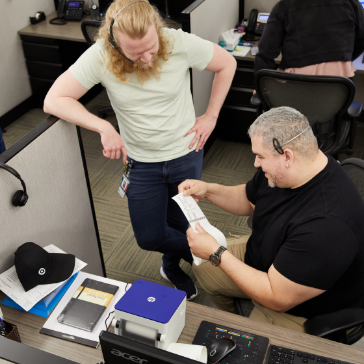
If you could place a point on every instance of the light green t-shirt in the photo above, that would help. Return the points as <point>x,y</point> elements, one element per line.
<point>154,117</point>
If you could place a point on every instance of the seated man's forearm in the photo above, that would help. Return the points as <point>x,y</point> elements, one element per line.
<point>230,198</point>
<point>252,282</point>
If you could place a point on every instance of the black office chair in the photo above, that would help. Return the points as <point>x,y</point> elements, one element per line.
<point>335,325</point>
<point>326,101</point>
<point>90,29</point>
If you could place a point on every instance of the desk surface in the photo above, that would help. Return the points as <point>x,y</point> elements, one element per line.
<point>71,31</point>
<point>29,326</point>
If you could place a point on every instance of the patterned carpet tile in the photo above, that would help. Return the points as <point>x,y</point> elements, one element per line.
<point>12,135</point>
<point>112,219</point>
<point>238,221</point>
<point>105,185</point>
<point>236,230</point>
<point>109,166</point>
<point>231,155</point>
<point>225,176</point>
<point>30,120</point>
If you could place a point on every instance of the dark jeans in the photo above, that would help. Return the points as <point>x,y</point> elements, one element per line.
<point>2,144</point>
<point>158,222</point>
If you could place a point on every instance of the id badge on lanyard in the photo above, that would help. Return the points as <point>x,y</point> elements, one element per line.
<point>125,182</point>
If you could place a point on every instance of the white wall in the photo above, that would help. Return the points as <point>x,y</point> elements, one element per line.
<point>208,21</point>
<point>14,82</point>
<point>263,6</point>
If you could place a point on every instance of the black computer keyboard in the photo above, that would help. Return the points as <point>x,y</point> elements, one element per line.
<point>280,355</point>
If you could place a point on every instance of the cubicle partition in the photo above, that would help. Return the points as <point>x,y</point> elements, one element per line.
<point>208,19</point>
<point>60,210</point>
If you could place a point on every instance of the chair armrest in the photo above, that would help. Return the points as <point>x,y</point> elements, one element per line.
<point>355,109</point>
<point>342,320</point>
<point>255,100</point>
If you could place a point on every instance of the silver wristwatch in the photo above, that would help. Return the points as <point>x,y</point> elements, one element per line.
<point>216,257</point>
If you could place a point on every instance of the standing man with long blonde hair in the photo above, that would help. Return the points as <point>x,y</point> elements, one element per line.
<point>144,67</point>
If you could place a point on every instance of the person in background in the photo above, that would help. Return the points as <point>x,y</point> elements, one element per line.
<point>305,256</point>
<point>144,67</point>
<point>2,143</point>
<point>316,37</point>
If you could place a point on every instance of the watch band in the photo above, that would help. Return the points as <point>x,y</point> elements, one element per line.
<point>215,258</point>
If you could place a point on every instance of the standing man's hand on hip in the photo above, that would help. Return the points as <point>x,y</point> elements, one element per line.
<point>203,127</point>
<point>113,144</point>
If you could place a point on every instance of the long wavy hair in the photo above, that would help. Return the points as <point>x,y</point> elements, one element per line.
<point>134,21</point>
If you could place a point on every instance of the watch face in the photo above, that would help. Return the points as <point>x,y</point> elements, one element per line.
<point>214,259</point>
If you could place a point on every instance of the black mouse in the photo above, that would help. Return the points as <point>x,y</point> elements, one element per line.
<point>219,349</point>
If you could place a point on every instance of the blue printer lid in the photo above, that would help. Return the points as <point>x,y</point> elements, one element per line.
<point>151,301</point>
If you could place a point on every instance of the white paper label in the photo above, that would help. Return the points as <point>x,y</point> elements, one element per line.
<point>194,214</point>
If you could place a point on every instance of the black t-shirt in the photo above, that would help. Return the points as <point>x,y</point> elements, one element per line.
<point>313,235</point>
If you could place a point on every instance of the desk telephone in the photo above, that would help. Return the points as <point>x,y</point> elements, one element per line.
<point>68,10</point>
<point>256,24</point>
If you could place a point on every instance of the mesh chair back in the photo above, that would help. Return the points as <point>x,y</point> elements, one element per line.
<point>319,102</point>
<point>90,29</point>
<point>355,168</point>
<point>324,100</point>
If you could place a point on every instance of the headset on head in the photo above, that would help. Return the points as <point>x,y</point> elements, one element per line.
<point>112,39</point>
<point>20,198</point>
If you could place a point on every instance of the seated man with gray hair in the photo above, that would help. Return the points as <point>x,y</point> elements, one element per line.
<point>305,256</point>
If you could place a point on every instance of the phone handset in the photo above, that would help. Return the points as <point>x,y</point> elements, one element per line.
<point>60,14</point>
<point>252,21</point>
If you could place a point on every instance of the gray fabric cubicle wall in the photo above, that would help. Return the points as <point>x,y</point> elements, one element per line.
<point>208,19</point>
<point>60,210</point>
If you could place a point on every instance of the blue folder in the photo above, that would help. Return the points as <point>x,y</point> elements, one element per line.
<point>45,306</point>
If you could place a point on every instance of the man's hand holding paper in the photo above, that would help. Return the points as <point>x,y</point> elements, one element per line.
<point>202,244</point>
<point>194,188</point>
<point>197,219</point>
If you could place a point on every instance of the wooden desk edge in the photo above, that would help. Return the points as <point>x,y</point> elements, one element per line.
<point>70,32</point>
<point>29,324</point>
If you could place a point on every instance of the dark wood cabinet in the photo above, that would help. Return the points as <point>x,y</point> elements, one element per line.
<point>237,114</point>
<point>46,60</point>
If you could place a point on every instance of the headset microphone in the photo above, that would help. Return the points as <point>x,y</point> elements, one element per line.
<point>20,198</point>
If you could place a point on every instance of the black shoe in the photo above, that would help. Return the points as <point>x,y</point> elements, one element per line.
<point>180,280</point>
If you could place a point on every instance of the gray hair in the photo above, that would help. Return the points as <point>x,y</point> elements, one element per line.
<point>285,123</point>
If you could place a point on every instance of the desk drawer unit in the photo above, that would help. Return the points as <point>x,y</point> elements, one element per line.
<point>244,77</point>
<point>40,86</point>
<point>46,60</point>
<point>239,96</point>
<point>234,122</point>
<point>42,52</point>
<point>237,114</point>
<point>44,69</point>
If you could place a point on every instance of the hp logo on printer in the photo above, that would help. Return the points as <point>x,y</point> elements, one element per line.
<point>151,299</point>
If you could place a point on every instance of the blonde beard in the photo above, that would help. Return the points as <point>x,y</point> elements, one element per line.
<point>145,71</point>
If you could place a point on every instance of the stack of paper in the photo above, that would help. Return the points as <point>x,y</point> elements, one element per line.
<point>242,53</point>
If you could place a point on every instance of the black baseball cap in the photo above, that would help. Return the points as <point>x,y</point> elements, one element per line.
<point>34,266</point>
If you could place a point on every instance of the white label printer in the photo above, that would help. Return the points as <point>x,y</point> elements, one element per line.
<point>151,313</point>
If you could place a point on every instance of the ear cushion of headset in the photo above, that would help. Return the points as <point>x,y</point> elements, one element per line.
<point>18,198</point>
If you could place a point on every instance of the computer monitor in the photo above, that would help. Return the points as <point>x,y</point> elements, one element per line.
<point>15,352</point>
<point>175,8</point>
<point>118,350</point>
